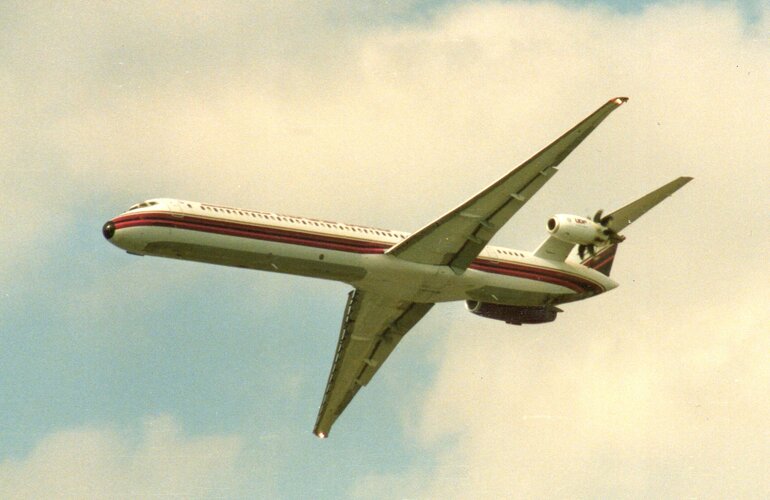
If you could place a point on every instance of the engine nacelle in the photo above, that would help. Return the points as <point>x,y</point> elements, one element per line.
<point>577,230</point>
<point>513,315</point>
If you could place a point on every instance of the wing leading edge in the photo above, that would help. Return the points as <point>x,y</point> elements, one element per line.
<point>456,238</point>
<point>371,328</point>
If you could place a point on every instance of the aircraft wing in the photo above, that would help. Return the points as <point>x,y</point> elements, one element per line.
<point>371,328</point>
<point>456,238</point>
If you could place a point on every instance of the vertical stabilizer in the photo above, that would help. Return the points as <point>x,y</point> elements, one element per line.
<point>603,259</point>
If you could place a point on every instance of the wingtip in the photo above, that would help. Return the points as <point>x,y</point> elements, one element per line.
<point>619,100</point>
<point>320,434</point>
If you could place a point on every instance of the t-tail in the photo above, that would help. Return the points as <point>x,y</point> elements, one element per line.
<point>602,257</point>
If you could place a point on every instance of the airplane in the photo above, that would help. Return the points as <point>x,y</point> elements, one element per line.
<point>397,277</point>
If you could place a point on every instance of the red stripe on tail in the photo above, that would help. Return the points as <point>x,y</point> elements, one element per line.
<point>603,260</point>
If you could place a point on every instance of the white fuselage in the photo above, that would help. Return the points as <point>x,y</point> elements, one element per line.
<point>342,252</point>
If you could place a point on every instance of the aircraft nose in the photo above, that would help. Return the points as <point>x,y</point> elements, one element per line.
<point>108,230</point>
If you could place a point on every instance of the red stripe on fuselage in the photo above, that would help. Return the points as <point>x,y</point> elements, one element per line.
<point>268,233</point>
<point>575,283</point>
<point>341,243</point>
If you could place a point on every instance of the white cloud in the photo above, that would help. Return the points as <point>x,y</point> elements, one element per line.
<point>107,463</point>
<point>587,409</point>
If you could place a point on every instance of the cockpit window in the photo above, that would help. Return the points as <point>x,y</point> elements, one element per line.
<point>144,204</point>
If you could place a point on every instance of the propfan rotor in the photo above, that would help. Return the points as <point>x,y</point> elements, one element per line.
<point>610,235</point>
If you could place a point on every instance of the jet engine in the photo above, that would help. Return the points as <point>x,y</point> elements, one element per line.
<point>513,315</point>
<point>583,231</point>
<point>576,230</point>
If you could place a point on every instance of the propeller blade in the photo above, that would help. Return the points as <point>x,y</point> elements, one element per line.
<point>598,215</point>
<point>605,220</point>
<point>581,251</point>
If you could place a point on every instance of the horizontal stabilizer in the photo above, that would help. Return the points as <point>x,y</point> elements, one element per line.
<point>628,214</point>
<point>620,219</point>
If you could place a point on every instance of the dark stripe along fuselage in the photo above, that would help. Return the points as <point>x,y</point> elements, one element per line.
<point>343,243</point>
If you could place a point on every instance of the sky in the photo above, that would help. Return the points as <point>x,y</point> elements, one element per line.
<point>128,377</point>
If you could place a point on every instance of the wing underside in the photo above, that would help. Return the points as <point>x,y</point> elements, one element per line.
<point>372,326</point>
<point>457,238</point>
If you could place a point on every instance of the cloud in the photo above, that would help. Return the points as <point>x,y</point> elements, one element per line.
<point>643,408</point>
<point>107,463</point>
